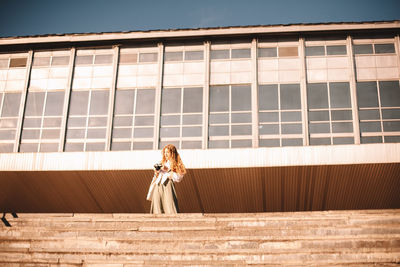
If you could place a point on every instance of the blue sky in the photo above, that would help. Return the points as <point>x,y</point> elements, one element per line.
<point>38,17</point>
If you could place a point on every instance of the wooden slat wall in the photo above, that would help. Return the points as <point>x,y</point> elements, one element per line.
<point>268,189</point>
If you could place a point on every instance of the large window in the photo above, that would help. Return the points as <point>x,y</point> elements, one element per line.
<point>379,111</point>
<point>280,122</point>
<point>45,101</point>
<point>230,116</point>
<point>89,101</point>
<point>181,117</point>
<point>12,83</point>
<point>133,127</point>
<point>329,113</point>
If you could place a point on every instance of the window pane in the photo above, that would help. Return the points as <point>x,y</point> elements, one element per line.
<point>191,131</point>
<point>79,102</point>
<point>363,49</point>
<point>342,127</point>
<point>120,146</point>
<point>292,142</point>
<point>99,103</point>
<point>11,105</point>
<point>148,57</point>
<point>268,116</point>
<point>268,97</point>
<point>374,126</point>
<point>267,52</point>
<point>241,97</point>
<point>391,126</point>
<point>18,62</point>
<point>74,147</point>
<point>218,144</point>
<point>96,121</point>
<point>173,56</point>
<point>145,101</point>
<point>391,113</point>
<point>170,120</point>
<point>241,117</point>
<point>171,100</point>
<point>367,95</point>
<point>169,132</point>
<point>269,129</point>
<point>317,95</point>
<point>290,96</point>
<point>128,58</point>
<point>384,48</point>
<point>95,146</point>
<point>241,143</point>
<point>336,50</point>
<point>288,51</point>
<point>60,61</point>
<point>51,122</point>
<point>269,142</point>
<point>191,144</point>
<point>77,122</point>
<point>320,141</point>
<point>343,140</point>
<point>392,139</point>
<point>340,95</point>
<point>218,118</point>
<point>123,121</point>
<point>44,147</point>
<point>338,115</point>
<point>291,116</point>
<point>143,132</point>
<point>371,139</point>
<point>103,59</point>
<point>193,100</point>
<point>34,104</point>
<point>83,60</point>
<point>315,51</point>
<point>369,114</point>
<point>194,55</point>
<point>241,129</point>
<point>54,104</point>
<point>218,130</point>
<point>219,98</point>
<point>319,128</point>
<point>291,129</point>
<point>390,93</point>
<point>122,133</point>
<point>124,100</point>
<point>219,54</point>
<point>96,133</point>
<point>318,116</point>
<point>241,53</point>
<point>144,120</point>
<point>192,119</point>
<point>41,61</point>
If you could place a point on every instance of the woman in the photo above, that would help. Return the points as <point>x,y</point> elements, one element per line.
<point>162,190</point>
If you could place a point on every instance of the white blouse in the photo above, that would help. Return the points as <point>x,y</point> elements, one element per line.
<point>164,175</point>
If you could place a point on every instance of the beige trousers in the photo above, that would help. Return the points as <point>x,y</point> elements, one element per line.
<point>164,199</point>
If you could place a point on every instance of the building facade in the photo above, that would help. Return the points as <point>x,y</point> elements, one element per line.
<point>334,86</point>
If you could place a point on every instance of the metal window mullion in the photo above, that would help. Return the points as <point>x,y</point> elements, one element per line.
<point>303,92</point>
<point>67,96</point>
<point>112,99</point>
<point>181,119</point>
<point>353,90</point>
<point>380,109</point>
<point>206,93</point>
<point>42,119</point>
<point>21,112</point>
<point>279,115</point>
<point>254,94</point>
<point>157,114</point>
<point>135,91</point>
<point>328,87</point>
<point>230,116</point>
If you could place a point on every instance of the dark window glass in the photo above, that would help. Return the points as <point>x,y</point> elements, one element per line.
<point>218,144</point>
<point>143,132</point>
<point>241,129</point>
<point>51,122</point>
<point>54,104</point>
<point>269,143</point>
<point>122,133</point>
<point>267,52</point>
<point>390,93</point>
<point>219,54</point>
<point>336,50</point>
<point>96,121</point>
<point>95,146</point>
<point>50,133</point>
<point>320,141</point>
<point>268,97</point>
<point>7,135</point>
<point>292,142</point>
<point>391,126</point>
<point>60,61</point>
<point>315,51</point>
<point>318,115</point>
<point>367,95</point>
<point>45,147</point>
<point>84,60</point>
<point>191,131</point>
<point>317,95</point>
<point>148,57</point>
<point>128,58</point>
<point>99,103</point>
<point>122,121</point>
<point>319,128</point>
<point>170,120</point>
<point>192,119</point>
<point>340,95</point>
<point>11,105</point>
<point>173,56</point>
<point>76,122</point>
<point>291,116</point>
<point>241,117</point>
<point>18,62</point>
<point>374,126</point>
<point>79,102</point>
<point>391,113</point>
<point>339,115</point>
<point>171,100</point>
<point>144,120</point>
<point>30,134</point>
<point>194,55</point>
<point>241,143</point>
<point>218,118</point>
<point>269,129</point>
<point>369,114</point>
<point>268,116</point>
<point>363,49</point>
<point>291,128</point>
<point>193,100</point>
<point>169,132</point>
<point>145,101</point>
<point>371,139</point>
<point>120,146</point>
<point>41,61</point>
<point>219,98</point>
<point>74,147</point>
<point>124,100</point>
<point>34,104</point>
<point>28,148</point>
<point>241,53</point>
<point>290,96</point>
<point>218,130</point>
<point>241,97</point>
<point>343,140</point>
<point>392,139</point>
<point>384,48</point>
<point>103,59</point>
<point>342,127</point>
<point>191,144</point>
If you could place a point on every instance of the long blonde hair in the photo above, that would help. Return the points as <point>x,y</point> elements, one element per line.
<point>175,160</point>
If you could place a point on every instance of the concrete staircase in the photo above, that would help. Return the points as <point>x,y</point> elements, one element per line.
<point>336,238</point>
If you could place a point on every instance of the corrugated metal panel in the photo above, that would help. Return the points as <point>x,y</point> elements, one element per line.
<point>259,189</point>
